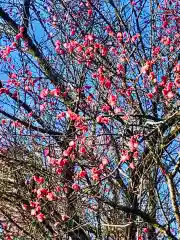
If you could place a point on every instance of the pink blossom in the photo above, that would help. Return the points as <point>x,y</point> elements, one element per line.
<point>59,171</point>
<point>43,107</point>
<point>156,50</point>
<point>21,29</point>
<point>55,92</point>
<point>79,49</point>
<point>107,84</point>
<point>52,161</point>
<point>150,95</point>
<point>177,68</point>
<point>165,92</point>
<point>37,179</point>
<point>3,121</point>
<point>50,196</point>
<point>135,155</point>
<point>145,68</point>
<point>76,187</point>
<point>119,36</point>
<point>125,156</point>
<point>24,206</point>
<point>41,192</point>
<point>4,90</point>
<point>58,189</point>
<point>170,95</point>
<point>4,226</point>
<point>46,152</point>
<point>125,117</point>
<point>169,86</point>
<point>105,161</point>
<point>73,116</point>
<point>133,144</point>
<point>89,12</point>
<point>101,119</point>
<point>105,108</point>
<point>177,82</point>
<point>104,51</point>
<point>101,166</point>
<point>44,93</point>
<point>112,100</point>
<point>118,110</point>
<point>40,217</point>
<point>131,165</point>
<point>61,115</point>
<point>33,212</point>
<point>120,68</point>
<point>57,43</point>
<point>34,204</point>
<point>72,144</point>
<point>64,217</point>
<point>19,36</point>
<point>145,230</point>
<point>82,174</point>
<point>82,150</point>
<point>95,177</point>
<point>62,162</point>
<point>163,171</point>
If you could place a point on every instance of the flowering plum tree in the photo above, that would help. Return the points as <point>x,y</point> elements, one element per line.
<point>89,119</point>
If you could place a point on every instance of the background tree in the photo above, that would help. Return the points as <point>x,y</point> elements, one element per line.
<point>89,119</point>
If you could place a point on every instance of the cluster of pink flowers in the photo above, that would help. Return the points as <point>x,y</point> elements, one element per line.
<point>132,153</point>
